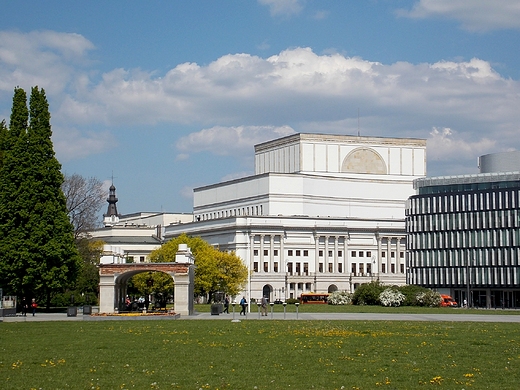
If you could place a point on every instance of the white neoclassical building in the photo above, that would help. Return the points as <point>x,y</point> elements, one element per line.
<point>321,213</point>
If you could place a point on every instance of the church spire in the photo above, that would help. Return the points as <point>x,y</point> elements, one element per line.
<point>111,217</point>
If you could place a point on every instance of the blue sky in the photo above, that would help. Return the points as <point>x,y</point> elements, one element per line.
<point>171,95</point>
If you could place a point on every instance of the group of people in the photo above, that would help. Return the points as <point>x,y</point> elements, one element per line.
<point>243,305</point>
<point>25,306</point>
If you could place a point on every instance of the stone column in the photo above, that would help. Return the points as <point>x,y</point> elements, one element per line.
<point>326,255</point>
<point>388,255</point>
<point>379,251</point>
<point>271,253</point>
<point>335,269</point>
<point>397,256</point>
<point>183,286</point>
<point>251,252</point>
<point>346,262</point>
<point>261,254</point>
<point>107,287</point>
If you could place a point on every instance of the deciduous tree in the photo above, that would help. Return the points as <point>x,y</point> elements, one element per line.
<point>215,270</point>
<point>84,197</point>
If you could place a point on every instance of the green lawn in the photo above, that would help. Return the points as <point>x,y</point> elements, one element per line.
<point>315,308</point>
<point>206,354</point>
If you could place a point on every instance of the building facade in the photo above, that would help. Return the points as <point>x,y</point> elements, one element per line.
<point>463,233</point>
<point>130,238</point>
<point>322,213</point>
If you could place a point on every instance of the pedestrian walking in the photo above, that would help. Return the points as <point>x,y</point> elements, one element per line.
<point>243,305</point>
<point>25,306</point>
<point>226,305</point>
<point>34,305</point>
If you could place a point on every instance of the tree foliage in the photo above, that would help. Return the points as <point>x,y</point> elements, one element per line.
<point>368,293</point>
<point>84,198</point>
<point>38,254</point>
<point>215,270</point>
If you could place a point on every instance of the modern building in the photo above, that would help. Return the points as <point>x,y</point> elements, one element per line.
<point>463,233</point>
<point>321,213</point>
<point>130,238</point>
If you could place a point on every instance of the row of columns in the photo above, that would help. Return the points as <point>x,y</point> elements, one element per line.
<point>326,247</point>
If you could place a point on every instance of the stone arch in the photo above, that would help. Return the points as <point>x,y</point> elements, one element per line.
<point>332,288</point>
<point>364,160</point>
<point>114,277</point>
<point>121,284</point>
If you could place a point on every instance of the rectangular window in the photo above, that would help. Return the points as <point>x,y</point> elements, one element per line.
<point>266,252</point>
<point>298,269</point>
<point>353,254</point>
<point>340,253</point>
<point>330,267</point>
<point>361,268</point>
<point>255,266</point>
<point>289,268</point>
<point>401,255</point>
<point>392,254</point>
<point>275,266</point>
<point>353,270</point>
<point>275,252</point>
<point>330,253</point>
<point>255,252</point>
<point>306,268</point>
<point>369,254</point>
<point>141,259</point>
<point>321,267</point>
<point>340,267</point>
<point>392,267</point>
<point>305,253</point>
<point>383,268</point>
<point>402,268</point>
<point>289,252</point>
<point>266,267</point>
<point>361,254</point>
<point>298,252</point>
<point>320,253</point>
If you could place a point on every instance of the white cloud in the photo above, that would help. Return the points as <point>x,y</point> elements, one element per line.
<point>45,58</point>
<point>241,99</point>
<point>475,15</point>
<point>283,7</point>
<point>227,141</point>
<point>444,143</point>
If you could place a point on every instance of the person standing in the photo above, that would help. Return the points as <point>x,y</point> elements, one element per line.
<point>226,305</point>
<point>25,306</point>
<point>243,305</point>
<point>264,306</point>
<point>34,305</point>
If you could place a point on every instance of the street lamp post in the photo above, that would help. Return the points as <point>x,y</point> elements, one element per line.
<point>272,305</point>
<point>297,304</point>
<point>234,304</point>
<point>284,307</point>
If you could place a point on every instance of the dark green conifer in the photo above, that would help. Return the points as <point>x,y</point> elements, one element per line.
<point>38,254</point>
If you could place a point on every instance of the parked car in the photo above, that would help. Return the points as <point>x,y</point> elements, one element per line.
<point>448,301</point>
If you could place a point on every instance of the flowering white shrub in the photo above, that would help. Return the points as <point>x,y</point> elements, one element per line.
<point>391,297</point>
<point>339,298</point>
<point>429,298</point>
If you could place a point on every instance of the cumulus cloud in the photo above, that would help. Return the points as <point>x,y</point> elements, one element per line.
<point>475,15</point>
<point>283,7</point>
<point>239,100</point>
<point>45,58</point>
<point>226,141</point>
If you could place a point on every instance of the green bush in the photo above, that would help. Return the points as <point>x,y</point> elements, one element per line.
<point>291,301</point>
<point>368,293</point>
<point>411,291</point>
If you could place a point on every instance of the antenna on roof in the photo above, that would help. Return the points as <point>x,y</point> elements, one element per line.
<point>358,122</point>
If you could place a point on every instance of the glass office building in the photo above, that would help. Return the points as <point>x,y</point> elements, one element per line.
<point>463,235</point>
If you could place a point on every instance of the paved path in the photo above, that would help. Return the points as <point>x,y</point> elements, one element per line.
<point>456,317</point>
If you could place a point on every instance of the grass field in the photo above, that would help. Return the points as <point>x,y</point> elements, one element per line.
<point>259,355</point>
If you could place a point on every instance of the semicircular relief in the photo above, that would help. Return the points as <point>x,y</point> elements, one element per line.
<point>364,160</point>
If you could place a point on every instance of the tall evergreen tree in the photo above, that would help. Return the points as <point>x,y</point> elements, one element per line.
<point>38,254</point>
